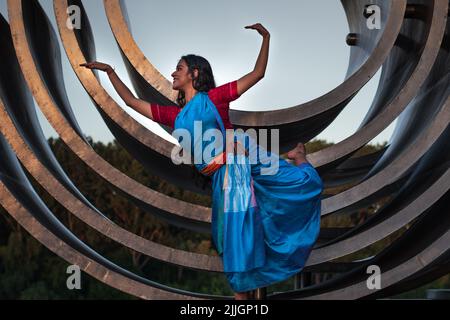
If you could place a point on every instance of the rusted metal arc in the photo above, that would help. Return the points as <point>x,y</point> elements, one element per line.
<point>425,276</point>
<point>398,165</point>
<point>16,192</point>
<point>402,259</point>
<point>160,252</point>
<point>160,89</point>
<point>202,262</point>
<point>397,87</point>
<point>416,117</point>
<point>52,67</point>
<point>88,261</point>
<point>152,151</point>
<point>394,12</point>
<point>413,121</point>
<point>179,212</point>
<point>216,265</point>
<point>396,264</point>
<point>11,85</point>
<point>95,90</point>
<point>148,82</point>
<point>337,153</point>
<point>409,157</point>
<point>328,249</point>
<point>133,56</point>
<point>91,217</point>
<point>341,94</point>
<point>372,185</point>
<point>168,257</point>
<point>425,172</point>
<point>394,256</point>
<point>436,33</point>
<point>423,186</point>
<point>386,227</point>
<point>55,188</point>
<point>404,161</point>
<point>113,9</point>
<point>116,12</point>
<point>405,57</point>
<point>415,187</point>
<point>352,170</point>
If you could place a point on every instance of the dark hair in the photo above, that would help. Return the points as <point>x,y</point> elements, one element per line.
<point>205,80</point>
<point>203,83</point>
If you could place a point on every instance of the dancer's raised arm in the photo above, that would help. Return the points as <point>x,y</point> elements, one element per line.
<point>127,96</point>
<point>249,80</point>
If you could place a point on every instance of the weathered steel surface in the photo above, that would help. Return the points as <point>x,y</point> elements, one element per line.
<point>38,64</point>
<point>412,172</point>
<point>145,146</point>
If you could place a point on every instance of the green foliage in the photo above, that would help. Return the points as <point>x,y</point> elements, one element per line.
<point>421,292</point>
<point>30,271</point>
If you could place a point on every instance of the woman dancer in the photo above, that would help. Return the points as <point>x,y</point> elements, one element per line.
<point>263,225</point>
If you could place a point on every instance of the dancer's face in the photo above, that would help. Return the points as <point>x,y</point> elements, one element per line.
<point>182,79</point>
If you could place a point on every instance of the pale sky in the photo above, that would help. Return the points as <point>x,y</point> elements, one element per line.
<point>308,54</point>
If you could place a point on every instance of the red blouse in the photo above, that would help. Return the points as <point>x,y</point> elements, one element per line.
<point>220,96</point>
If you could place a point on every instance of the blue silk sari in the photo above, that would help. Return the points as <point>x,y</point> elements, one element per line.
<point>263,226</point>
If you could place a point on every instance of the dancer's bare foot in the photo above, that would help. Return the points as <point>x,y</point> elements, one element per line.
<point>298,154</point>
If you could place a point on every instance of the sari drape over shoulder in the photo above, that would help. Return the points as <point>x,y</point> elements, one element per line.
<point>263,226</point>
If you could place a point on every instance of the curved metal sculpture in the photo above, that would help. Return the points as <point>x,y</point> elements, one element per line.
<point>412,48</point>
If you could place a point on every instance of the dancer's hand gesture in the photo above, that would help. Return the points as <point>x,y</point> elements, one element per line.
<point>98,65</point>
<point>261,30</point>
